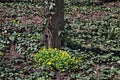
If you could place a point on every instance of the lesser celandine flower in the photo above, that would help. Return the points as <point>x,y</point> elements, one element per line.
<point>16,21</point>
<point>40,51</point>
<point>55,48</point>
<point>43,49</point>
<point>49,48</point>
<point>35,55</point>
<point>56,59</point>
<point>62,70</point>
<point>35,65</point>
<point>40,59</point>
<point>49,63</point>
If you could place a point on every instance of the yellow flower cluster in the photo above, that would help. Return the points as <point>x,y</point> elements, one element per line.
<point>59,59</point>
<point>16,21</point>
<point>62,53</point>
<point>65,54</point>
<point>40,59</point>
<point>49,63</point>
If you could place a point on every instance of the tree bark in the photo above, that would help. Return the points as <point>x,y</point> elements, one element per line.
<point>51,36</point>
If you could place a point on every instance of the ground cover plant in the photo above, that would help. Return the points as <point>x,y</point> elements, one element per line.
<point>91,33</point>
<point>55,59</point>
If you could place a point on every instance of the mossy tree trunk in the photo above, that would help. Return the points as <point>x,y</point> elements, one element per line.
<point>51,36</point>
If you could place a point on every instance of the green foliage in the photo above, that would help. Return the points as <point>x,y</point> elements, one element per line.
<point>23,39</point>
<point>55,59</point>
<point>103,34</point>
<point>92,32</point>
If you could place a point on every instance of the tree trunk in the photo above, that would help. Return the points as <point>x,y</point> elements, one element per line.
<point>51,36</point>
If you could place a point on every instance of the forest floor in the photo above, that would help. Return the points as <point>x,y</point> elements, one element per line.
<point>98,25</point>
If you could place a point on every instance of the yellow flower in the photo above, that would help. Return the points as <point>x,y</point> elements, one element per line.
<point>73,58</point>
<point>35,55</point>
<point>40,51</point>
<point>16,21</point>
<point>55,48</point>
<point>40,59</point>
<point>63,54</point>
<point>67,55</point>
<point>49,63</point>
<point>35,65</point>
<point>49,48</point>
<point>62,70</point>
<point>44,49</point>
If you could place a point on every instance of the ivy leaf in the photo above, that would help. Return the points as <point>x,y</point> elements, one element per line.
<point>118,62</point>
